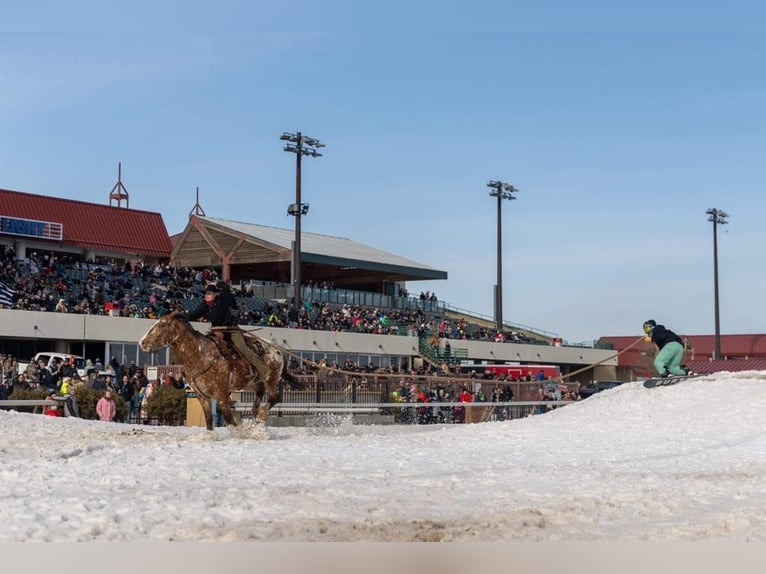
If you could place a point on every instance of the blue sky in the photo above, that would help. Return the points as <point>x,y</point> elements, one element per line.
<point>620,126</point>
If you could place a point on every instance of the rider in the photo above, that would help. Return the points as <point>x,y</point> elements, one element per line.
<point>216,308</point>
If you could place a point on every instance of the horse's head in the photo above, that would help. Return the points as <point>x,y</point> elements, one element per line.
<point>162,333</point>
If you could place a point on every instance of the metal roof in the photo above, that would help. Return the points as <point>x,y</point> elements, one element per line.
<point>732,346</point>
<point>93,226</point>
<point>739,352</point>
<point>331,250</point>
<point>731,365</point>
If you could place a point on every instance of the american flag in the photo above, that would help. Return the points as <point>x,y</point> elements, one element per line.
<point>6,295</point>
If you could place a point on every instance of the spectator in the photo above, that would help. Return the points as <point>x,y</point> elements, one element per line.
<point>52,409</point>
<point>115,367</point>
<point>148,390</point>
<point>103,382</point>
<point>127,390</point>
<point>67,368</point>
<point>6,389</point>
<point>66,383</point>
<point>179,382</point>
<point>138,396</point>
<point>106,408</point>
<point>70,404</point>
<point>21,382</point>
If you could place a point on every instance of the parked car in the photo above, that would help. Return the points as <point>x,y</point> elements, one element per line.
<point>598,386</point>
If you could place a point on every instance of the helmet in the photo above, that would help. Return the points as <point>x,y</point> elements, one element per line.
<point>649,325</point>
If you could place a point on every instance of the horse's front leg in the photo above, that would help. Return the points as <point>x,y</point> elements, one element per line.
<point>207,410</point>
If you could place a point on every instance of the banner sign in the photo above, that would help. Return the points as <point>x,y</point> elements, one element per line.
<point>31,228</point>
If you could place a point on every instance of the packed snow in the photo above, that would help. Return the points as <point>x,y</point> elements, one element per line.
<point>680,463</point>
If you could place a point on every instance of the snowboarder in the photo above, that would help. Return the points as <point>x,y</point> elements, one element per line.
<point>671,350</point>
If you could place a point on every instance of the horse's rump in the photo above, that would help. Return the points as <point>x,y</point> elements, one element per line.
<point>261,351</point>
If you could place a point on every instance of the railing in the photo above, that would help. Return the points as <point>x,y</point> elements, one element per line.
<point>15,403</point>
<point>506,324</point>
<point>283,292</point>
<point>415,413</point>
<point>372,397</point>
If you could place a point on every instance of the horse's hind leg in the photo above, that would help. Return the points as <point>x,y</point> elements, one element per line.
<point>273,393</point>
<point>260,409</point>
<point>228,416</point>
<point>265,398</point>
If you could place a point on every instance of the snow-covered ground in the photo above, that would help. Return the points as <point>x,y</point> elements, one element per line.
<point>679,463</point>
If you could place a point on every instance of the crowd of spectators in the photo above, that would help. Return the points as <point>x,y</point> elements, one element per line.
<point>62,379</point>
<point>461,391</point>
<point>60,282</point>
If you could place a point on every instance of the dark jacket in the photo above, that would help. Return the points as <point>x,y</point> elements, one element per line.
<point>662,336</point>
<point>219,313</point>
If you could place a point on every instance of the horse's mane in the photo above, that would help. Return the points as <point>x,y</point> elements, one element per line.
<point>176,315</point>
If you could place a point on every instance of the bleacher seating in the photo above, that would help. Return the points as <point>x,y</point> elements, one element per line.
<point>151,292</point>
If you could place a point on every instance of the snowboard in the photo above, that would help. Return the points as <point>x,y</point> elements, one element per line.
<point>672,380</point>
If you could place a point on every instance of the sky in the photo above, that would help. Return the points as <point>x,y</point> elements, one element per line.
<point>670,464</point>
<point>620,126</point>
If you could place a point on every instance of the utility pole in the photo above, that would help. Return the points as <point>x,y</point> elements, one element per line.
<point>300,145</point>
<point>501,191</point>
<point>717,217</point>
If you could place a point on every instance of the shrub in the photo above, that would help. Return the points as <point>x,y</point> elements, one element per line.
<point>26,395</point>
<point>88,398</point>
<point>86,401</point>
<point>167,404</point>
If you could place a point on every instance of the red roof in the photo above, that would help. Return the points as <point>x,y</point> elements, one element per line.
<point>93,226</point>
<point>174,238</point>
<point>739,352</point>
<point>732,346</point>
<point>732,365</point>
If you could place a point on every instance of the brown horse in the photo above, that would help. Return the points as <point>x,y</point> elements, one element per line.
<point>214,373</point>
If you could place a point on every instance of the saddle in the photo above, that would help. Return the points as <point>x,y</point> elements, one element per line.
<point>234,343</point>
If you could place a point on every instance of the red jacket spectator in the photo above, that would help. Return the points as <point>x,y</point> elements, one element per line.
<point>52,411</point>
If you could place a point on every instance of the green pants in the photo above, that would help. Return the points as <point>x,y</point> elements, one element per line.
<point>669,358</point>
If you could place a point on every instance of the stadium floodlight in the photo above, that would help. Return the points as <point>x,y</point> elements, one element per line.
<point>501,191</point>
<point>717,217</point>
<point>300,145</point>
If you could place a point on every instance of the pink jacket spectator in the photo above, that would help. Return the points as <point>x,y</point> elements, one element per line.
<point>106,408</point>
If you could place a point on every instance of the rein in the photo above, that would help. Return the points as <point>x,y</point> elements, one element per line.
<point>210,364</point>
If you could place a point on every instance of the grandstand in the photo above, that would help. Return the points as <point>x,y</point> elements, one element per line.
<point>141,276</point>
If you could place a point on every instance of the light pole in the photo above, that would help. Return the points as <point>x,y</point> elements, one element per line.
<point>501,191</point>
<point>717,217</point>
<point>300,145</point>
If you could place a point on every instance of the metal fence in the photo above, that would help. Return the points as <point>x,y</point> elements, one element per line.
<point>373,396</point>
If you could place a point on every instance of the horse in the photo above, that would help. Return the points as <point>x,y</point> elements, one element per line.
<point>213,373</point>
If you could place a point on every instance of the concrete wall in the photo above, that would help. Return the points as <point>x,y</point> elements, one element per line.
<point>72,327</point>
